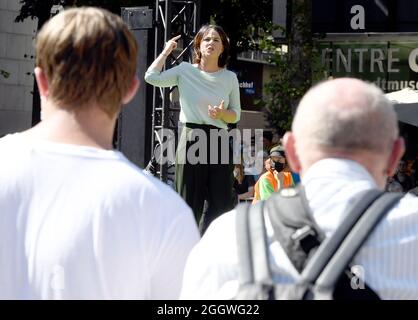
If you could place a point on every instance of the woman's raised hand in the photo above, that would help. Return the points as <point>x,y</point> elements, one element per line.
<point>170,45</point>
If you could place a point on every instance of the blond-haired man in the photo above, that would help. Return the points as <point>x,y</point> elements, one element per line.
<point>344,141</point>
<point>77,219</point>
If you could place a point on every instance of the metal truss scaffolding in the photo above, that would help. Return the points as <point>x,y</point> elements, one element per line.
<point>171,18</point>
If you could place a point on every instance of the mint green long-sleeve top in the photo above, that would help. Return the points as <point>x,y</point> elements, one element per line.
<point>198,89</point>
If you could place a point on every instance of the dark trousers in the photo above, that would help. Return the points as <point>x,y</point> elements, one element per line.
<point>198,180</point>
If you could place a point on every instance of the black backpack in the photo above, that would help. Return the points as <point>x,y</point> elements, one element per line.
<point>323,263</point>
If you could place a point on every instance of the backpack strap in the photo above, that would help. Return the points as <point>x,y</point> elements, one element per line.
<point>299,236</point>
<point>253,261</point>
<point>329,246</point>
<point>293,225</point>
<point>352,243</point>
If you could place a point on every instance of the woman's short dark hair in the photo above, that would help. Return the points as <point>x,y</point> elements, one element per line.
<point>197,55</point>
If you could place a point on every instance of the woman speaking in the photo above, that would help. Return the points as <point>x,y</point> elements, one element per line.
<point>209,100</point>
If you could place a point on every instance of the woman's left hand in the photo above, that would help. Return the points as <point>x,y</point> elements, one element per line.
<point>216,112</point>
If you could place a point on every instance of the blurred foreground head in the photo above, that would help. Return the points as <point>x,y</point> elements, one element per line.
<point>345,118</point>
<point>88,55</point>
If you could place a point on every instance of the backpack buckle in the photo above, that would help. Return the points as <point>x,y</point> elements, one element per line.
<point>306,237</point>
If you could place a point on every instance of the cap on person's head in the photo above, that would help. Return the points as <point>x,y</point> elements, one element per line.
<point>277,151</point>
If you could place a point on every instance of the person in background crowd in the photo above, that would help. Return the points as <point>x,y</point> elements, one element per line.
<point>405,175</point>
<point>276,177</point>
<point>243,184</point>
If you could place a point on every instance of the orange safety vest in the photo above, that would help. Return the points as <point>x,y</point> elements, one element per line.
<point>287,182</point>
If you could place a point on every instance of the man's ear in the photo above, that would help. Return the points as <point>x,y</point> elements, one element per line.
<point>398,150</point>
<point>42,82</point>
<point>290,150</point>
<point>132,91</point>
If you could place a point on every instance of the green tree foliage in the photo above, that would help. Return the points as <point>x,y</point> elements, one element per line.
<point>279,92</point>
<point>242,20</point>
<point>296,66</point>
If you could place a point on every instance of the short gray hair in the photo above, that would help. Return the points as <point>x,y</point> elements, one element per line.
<point>346,114</point>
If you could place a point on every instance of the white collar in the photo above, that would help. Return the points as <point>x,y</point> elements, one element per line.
<point>332,168</point>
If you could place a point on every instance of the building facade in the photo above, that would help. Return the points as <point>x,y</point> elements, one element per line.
<point>17,58</point>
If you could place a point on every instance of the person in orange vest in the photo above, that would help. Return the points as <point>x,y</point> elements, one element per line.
<point>275,178</point>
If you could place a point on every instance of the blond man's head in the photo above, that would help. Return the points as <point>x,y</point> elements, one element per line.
<point>88,56</point>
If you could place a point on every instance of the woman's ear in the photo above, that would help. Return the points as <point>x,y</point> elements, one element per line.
<point>132,91</point>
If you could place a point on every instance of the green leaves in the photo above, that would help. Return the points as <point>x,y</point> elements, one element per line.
<point>296,65</point>
<point>243,21</point>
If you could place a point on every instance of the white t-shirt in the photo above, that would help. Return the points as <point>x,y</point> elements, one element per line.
<point>85,223</point>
